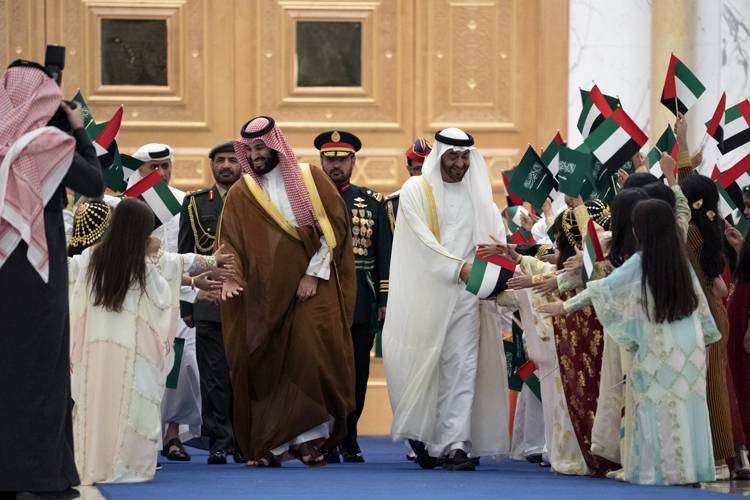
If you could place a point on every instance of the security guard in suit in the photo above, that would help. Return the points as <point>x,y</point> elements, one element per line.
<point>201,211</point>
<point>371,243</point>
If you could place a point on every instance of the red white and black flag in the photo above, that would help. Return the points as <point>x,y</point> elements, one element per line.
<point>681,87</point>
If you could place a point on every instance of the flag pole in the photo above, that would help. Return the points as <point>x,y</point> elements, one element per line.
<point>676,110</point>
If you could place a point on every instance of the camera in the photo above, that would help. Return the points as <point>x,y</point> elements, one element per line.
<point>54,63</point>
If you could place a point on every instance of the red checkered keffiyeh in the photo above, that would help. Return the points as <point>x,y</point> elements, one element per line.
<point>263,128</point>
<point>34,159</point>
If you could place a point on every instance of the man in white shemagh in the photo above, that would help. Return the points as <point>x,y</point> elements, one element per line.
<point>442,353</point>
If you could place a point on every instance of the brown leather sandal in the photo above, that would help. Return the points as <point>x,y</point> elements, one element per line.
<point>308,454</point>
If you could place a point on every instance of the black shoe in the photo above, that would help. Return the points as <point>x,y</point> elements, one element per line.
<point>545,463</point>
<point>159,466</point>
<point>351,453</point>
<point>423,458</point>
<point>332,456</point>
<point>534,458</point>
<point>459,461</point>
<point>475,461</point>
<point>48,495</point>
<point>218,457</point>
<point>239,457</point>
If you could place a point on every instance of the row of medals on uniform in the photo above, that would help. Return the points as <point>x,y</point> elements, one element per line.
<point>362,224</point>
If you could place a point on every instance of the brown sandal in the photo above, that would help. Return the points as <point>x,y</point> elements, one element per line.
<point>268,460</point>
<point>308,454</point>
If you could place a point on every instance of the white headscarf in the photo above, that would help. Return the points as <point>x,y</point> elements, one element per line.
<point>487,219</point>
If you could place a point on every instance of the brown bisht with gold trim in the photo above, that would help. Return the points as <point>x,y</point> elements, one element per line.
<point>290,362</point>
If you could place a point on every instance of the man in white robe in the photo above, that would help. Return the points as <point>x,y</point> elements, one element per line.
<point>443,356</point>
<point>180,405</point>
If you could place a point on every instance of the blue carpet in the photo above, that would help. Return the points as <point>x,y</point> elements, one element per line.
<point>386,474</point>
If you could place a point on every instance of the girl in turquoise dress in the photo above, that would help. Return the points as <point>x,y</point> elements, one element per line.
<point>653,306</point>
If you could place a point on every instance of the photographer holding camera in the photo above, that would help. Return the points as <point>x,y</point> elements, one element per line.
<point>37,163</point>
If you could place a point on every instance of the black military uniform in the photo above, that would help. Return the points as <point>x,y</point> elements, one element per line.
<point>371,244</point>
<point>199,221</point>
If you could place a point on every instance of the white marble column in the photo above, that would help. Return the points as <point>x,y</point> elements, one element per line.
<point>733,55</point>
<point>610,45</point>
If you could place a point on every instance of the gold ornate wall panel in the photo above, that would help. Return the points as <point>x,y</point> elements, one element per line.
<point>497,68</point>
<point>191,109</point>
<point>21,30</point>
<point>483,66</point>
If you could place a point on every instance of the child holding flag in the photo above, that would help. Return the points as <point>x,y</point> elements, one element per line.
<point>653,306</point>
<point>124,294</point>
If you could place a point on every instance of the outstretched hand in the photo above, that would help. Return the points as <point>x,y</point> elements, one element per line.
<point>223,259</point>
<point>551,309</point>
<point>230,289</point>
<point>204,281</point>
<point>547,286</point>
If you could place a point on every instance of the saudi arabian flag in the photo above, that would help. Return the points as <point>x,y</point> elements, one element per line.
<point>729,211</point>
<point>531,180</point>
<point>575,165</point>
<point>616,140</point>
<point>157,195</point>
<point>736,127</point>
<point>489,275</point>
<point>592,249</point>
<point>88,118</point>
<point>597,107</point>
<point>681,87</point>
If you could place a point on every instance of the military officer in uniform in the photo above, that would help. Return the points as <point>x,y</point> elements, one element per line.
<point>415,156</point>
<point>371,243</point>
<point>201,211</point>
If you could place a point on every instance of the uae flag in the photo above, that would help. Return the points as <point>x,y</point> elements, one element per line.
<point>616,140</point>
<point>512,198</point>
<point>526,372</point>
<point>551,155</point>
<point>667,143</point>
<point>521,237</point>
<point>729,211</point>
<point>736,127</point>
<point>681,87</point>
<point>715,126</point>
<point>489,275</point>
<point>735,179</point>
<point>592,249</point>
<point>513,216</point>
<point>157,195</point>
<point>596,108</point>
<point>104,142</point>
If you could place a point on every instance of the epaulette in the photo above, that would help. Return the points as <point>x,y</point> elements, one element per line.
<point>197,192</point>
<point>373,194</point>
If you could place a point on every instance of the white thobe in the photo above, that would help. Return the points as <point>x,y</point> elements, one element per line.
<point>442,352</point>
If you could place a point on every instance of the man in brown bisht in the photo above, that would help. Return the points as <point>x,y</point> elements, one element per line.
<point>287,333</point>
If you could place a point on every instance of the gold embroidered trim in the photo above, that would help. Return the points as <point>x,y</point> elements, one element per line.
<point>199,233</point>
<point>317,203</point>
<point>260,196</point>
<point>431,208</point>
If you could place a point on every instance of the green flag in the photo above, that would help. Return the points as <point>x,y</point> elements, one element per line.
<point>531,180</point>
<point>574,165</point>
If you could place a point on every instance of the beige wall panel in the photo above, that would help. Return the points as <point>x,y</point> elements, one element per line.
<point>380,111</point>
<point>193,111</point>
<point>21,30</point>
